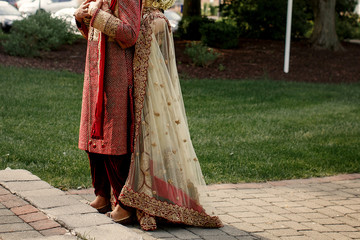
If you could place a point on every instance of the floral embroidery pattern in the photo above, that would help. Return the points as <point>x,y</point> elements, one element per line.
<point>171,212</point>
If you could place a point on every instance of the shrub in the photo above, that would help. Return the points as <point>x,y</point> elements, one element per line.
<point>3,36</point>
<point>205,9</point>
<point>345,5</point>
<point>189,27</point>
<point>347,22</point>
<point>38,32</point>
<point>266,18</point>
<point>200,54</point>
<point>348,26</point>
<point>219,35</point>
<point>209,9</point>
<point>213,10</point>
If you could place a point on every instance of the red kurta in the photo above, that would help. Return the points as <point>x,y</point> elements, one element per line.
<point>122,28</point>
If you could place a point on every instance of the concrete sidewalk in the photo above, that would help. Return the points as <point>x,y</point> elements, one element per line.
<point>317,208</point>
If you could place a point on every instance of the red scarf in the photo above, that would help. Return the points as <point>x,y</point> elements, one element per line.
<point>97,127</point>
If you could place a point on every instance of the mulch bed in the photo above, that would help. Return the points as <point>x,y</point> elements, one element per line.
<point>253,59</point>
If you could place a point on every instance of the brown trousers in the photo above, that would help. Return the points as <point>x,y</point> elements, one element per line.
<point>109,171</point>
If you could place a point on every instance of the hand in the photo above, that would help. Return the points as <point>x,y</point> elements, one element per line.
<point>105,7</point>
<point>82,11</point>
<point>93,6</point>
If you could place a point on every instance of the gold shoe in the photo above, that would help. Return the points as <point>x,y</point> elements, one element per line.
<point>103,209</point>
<point>123,221</point>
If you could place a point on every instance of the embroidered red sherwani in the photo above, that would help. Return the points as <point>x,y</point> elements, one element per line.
<point>121,28</point>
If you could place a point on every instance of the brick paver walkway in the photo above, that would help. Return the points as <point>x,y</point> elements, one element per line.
<point>318,208</point>
<point>20,220</point>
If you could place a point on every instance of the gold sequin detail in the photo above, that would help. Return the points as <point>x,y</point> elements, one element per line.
<point>156,114</point>
<point>174,151</point>
<point>156,4</point>
<point>169,103</point>
<point>161,85</point>
<point>170,181</point>
<point>177,122</point>
<point>195,159</point>
<point>154,192</point>
<point>184,140</point>
<point>153,144</point>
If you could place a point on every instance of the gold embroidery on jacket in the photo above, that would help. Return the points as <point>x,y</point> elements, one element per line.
<point>100,20</point>
<point>111,26</point>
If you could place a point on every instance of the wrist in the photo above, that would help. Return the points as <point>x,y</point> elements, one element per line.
<point>92,8</point>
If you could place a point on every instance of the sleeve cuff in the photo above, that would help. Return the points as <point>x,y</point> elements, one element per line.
<point>105,22</point>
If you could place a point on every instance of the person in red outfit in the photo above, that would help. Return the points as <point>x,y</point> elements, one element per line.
<point>111,28</point>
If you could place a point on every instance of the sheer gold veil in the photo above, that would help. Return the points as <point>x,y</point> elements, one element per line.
<point>165,178</point>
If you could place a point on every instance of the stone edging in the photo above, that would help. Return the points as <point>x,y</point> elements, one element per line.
<point>74,215</point>
<point>341,177</point>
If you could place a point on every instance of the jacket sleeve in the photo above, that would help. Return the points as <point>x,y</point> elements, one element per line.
<point>125,28</point>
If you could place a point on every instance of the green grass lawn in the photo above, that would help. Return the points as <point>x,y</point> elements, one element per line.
<point>243,131</point>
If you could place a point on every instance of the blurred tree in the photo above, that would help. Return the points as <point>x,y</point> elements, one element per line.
<point>192,8</point>
<point>324,35</point>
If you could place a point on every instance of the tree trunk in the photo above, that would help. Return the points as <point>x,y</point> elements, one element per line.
<point>192,8</point>
<point>324,34</point>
